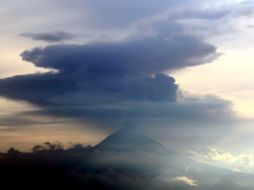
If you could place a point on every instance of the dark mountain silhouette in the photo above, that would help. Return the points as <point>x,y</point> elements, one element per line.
<point>125,160</point>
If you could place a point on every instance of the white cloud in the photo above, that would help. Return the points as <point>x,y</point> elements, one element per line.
<point>184,180</point>
<point>236,162</point>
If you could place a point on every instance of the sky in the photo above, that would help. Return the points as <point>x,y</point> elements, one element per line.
<point>178,70</point>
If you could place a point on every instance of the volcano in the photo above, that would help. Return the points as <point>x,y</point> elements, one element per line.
<point>130,141</point>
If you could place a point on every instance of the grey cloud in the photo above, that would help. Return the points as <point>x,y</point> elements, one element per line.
<point>114,80</point>
<point>61,89</point>
<point>138,56</point>
<point>112,14</point>
<point>202,111</point>
<point>125,12</point>
<point>100,73</point>
<point>207,20</point>
<point>121,79</point>
<point>54,36</point>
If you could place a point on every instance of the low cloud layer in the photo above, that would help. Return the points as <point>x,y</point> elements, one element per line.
<point>87,167</point>
<point>237,162</point>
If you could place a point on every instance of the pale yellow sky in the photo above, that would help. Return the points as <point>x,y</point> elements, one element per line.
<point>23,131</point>
<point>10,61</point>
<point>231,77</point>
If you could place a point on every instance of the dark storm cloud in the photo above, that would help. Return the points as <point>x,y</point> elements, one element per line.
<point>115,81</point>
<point>54,36</point>
<point>61,89</point>
<point>140,56</point>
<point>99,73</point>
<point>122,78</point>
<point>201,111</point>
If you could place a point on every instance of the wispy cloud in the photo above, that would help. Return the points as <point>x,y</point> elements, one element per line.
<point>54,36</point>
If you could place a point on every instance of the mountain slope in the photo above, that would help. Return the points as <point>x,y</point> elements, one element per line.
<point>130,141</point>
